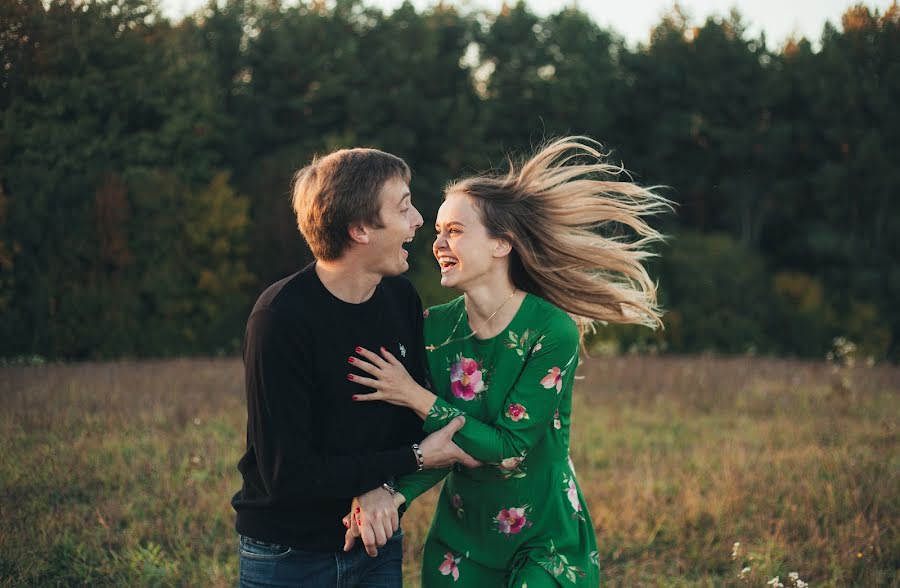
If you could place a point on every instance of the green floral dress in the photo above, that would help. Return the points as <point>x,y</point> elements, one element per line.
<point>520,520</point>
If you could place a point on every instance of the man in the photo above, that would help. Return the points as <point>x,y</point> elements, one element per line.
<point>310,448</point>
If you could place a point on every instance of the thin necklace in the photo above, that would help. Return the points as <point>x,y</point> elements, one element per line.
<point>449,339</point>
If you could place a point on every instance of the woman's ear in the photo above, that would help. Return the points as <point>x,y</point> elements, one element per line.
<point>358,234</point>
<point>502,248</point>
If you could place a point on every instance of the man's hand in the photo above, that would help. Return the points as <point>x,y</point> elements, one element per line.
<point>440,451</point>
<point>373,516</point>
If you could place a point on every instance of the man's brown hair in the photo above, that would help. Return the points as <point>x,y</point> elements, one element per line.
<point>340,190</point>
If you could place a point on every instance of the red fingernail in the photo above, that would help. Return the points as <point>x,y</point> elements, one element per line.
<point>349,376</point>
<point>346,524</point>
<point>350,359</point>
<point>357,509</point>
<point>359,522</point>
<point>358,349</point>
<point>354,397</point>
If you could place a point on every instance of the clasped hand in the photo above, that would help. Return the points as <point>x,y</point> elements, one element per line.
<point>374,518</point>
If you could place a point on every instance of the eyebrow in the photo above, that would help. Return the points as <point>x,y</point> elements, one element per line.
<point>437,225</point>
<point>405,196</point>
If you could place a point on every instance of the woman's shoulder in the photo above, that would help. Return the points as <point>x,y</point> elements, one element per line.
<point>554,321</point>
<point>439,311</point>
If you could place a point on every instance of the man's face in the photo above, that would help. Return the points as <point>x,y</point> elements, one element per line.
<point>400,219</point>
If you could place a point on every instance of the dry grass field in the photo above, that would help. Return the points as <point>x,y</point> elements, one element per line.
<point>120,474</point>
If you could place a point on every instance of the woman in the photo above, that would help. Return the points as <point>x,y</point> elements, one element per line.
<point>529,253</point>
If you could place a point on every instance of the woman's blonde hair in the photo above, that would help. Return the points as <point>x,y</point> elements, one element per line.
<point>564,211</point>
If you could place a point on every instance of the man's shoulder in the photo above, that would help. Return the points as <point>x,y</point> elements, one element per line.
<point>399,285</point>
<point>286,297</point>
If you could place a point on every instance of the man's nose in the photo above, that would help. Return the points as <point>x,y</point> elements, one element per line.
<point>417,218</point>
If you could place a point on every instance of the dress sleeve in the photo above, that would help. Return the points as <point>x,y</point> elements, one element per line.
<point>530,405</point>
<point>411,486</point>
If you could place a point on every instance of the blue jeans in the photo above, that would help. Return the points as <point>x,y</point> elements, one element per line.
<point>268,564</point>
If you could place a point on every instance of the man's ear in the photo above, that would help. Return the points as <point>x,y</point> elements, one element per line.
<point>502,248</point>
<point>358,234</point>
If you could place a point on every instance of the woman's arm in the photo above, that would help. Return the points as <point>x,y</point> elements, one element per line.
<point>391,382</point>
<point>528,409</point>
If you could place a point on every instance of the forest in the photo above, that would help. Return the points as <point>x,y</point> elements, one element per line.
<point>145,163</point>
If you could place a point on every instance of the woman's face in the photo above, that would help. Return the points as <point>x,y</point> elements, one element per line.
<point>462,247</point>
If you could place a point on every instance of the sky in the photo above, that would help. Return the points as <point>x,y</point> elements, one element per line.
<point>633,19</point>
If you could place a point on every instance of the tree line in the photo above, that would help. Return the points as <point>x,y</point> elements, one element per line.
<point>146,162</point>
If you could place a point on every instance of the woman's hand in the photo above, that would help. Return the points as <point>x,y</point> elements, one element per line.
<point>391,381</point>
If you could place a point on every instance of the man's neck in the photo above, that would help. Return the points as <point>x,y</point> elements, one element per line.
<point>347,281</point>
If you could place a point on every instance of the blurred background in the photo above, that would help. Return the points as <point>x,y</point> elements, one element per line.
<point>147,149</point>
<point>146,152</point>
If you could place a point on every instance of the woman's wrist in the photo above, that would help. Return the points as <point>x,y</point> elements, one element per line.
<point>399,499</point>
<point>422,401</point>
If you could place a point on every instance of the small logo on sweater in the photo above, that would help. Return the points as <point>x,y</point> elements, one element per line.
<point>402,350</point>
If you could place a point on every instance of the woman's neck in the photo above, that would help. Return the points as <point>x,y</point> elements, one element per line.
<point>492,306</point>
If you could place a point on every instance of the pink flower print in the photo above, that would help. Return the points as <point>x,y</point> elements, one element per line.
<point>517,412</point>
<point>572,493</point>
<point>456,503</point>
<point>557,424</point>
<point>511,520</point>
<point>465,379</point>
<point>511,463</point>
<point>554,378</point>
<point>449,566</point>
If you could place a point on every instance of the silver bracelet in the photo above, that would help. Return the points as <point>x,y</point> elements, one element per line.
<point>389,488</point>
<point>419,457</point>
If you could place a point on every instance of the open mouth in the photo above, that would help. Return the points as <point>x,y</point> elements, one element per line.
<point>447,262</point>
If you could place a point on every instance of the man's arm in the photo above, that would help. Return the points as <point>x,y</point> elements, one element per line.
<point>374,516</point>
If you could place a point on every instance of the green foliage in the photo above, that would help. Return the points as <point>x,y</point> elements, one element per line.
<point>717,291</point>
<point>146,164</point>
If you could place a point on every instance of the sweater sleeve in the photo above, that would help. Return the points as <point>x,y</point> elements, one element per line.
<point>417,366</point>
<point>279,414</point>
<point>529,407</point>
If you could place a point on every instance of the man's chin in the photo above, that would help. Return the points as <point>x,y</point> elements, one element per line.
<point>400,268</point>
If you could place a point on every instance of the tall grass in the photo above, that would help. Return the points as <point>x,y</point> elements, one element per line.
<point>121,473</point>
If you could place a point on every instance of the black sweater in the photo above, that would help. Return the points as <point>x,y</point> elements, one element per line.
<point>310,448</point>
